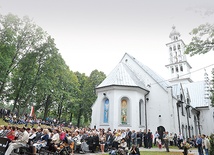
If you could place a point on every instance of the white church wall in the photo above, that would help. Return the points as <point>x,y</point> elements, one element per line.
<point>207,121</point>
<point>115,96</point>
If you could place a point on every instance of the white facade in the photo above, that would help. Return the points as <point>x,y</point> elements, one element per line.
<point>133,96</point>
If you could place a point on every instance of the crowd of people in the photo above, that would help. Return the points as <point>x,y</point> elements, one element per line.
<point>86,139</point>
<point>13,118</point>
<point>117,141</point>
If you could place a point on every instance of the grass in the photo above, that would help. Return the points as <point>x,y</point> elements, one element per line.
<point>161,153</point>
<point>3,122</point>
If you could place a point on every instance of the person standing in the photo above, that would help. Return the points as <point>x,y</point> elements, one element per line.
<point>166,140</point>
<point>180,140</point>
<point>199,145</point>
<point>175,138</point>
<point>206,144</point>
<point>134,137</point>
<point>156,137</point>
<point>128,138</point>
<point>149,139</point>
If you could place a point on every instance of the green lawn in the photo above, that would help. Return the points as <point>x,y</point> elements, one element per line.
<point>3,122</point>
<point>159,153</point>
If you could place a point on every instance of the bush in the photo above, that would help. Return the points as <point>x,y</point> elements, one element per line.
<point>211,144</point>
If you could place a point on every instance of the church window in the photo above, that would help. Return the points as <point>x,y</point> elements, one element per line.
<point>179,47</point>
<point>106,111</point>
<point>170,49</point>
<point>188,109</point>
<point>141,113</point>
<point>192,132</point>
<point>174,48</point>
<point>124,111</point>
<point>182,105</point>
<point>181,68</point>
<point>176,69</point>
<point>172,70</point>
<point>183,131</point>
<point>186,131</point>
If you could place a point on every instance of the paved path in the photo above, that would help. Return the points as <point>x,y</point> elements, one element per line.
<point>193,151</point>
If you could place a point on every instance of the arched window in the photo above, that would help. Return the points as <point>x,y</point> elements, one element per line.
<point>106,111</point>
<point>141,113</point>
<point>170,48</point>
<point>183,131</point>
<point>192,132</point>
<point>174,48</point>
<point>124,111</point>
<point>186,131</point>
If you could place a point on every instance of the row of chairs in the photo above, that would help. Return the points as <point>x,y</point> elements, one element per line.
<point>65,148</point>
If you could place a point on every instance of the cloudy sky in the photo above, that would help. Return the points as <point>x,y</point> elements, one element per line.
<point>95,34</point>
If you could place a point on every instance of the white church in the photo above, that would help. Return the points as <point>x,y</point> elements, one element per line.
<point>135,97</point>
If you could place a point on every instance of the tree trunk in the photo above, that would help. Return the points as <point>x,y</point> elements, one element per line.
<point>47,103</point>
<point>79,116</point>
<point>71,117</point>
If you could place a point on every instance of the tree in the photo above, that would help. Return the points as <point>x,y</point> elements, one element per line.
<point>202,42</point>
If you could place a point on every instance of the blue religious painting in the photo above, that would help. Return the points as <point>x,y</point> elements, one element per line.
<point>106,111</point>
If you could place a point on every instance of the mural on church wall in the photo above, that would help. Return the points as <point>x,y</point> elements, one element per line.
<point>106,111</point>
<point>124,108</point>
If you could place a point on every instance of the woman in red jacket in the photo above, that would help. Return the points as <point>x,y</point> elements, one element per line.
<point>11,133</point>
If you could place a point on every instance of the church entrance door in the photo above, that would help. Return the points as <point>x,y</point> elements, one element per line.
<point>160,130</point>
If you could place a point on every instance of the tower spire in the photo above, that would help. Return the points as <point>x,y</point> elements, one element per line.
<point>178,66</point>
<point>174,35</point>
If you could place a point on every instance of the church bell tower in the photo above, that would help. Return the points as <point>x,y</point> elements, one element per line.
<point>178,67</point>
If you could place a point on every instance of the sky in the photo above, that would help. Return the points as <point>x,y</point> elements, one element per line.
<point>95,34</point>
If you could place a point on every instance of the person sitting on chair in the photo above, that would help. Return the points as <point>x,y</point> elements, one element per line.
<point>22,141</point>
<point>134,150</point>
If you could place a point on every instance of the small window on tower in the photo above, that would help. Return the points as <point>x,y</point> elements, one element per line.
<point>179,47</point>
<point>172,70</point>
<point>176,69</point>
<point>181,68</point>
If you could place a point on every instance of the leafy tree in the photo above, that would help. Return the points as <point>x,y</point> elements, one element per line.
<point>17,38</point>
<point>202,40</point>
<point>211,144</point>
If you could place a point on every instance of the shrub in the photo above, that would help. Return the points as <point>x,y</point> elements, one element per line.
<point>211,144</point>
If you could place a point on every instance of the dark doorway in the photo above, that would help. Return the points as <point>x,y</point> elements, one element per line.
<point>160,130</point>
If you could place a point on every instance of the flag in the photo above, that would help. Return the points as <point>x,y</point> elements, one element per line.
<point>32,112</point>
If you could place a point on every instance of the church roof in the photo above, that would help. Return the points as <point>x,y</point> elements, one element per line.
<point>195,90</point>
<point>125,75</point>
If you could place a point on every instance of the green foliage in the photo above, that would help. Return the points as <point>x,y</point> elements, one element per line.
<point>32,72</point>
<point>202,40</point>
<point>211,144</point>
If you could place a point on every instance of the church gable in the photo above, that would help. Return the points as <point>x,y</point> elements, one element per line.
<point>130,72</point>
<point>122,76</point>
